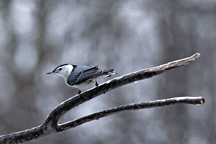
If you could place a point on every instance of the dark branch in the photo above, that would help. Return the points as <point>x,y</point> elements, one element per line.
<point>51,123</point>
<point>136,106</point>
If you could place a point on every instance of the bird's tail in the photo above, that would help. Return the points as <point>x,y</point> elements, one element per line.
<point>109,72</point>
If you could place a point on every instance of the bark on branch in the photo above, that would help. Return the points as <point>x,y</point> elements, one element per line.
<point>51,123</point>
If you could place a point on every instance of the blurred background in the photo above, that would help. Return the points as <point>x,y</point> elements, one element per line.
<point>38,35</point>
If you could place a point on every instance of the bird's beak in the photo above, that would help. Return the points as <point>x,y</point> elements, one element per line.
<point>50,73</point>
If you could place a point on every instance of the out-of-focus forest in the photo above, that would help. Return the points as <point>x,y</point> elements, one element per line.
<point>38,35</point>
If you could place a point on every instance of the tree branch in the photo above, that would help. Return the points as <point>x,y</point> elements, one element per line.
<point>51,124</point>
<point>136,106</point>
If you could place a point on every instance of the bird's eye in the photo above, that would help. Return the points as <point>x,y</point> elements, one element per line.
<point>60,69</point>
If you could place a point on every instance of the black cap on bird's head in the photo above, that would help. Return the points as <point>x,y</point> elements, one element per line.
<point>57,69</point>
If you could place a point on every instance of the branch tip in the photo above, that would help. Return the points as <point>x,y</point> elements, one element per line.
<point>196,56</point>
<point>202,101</point>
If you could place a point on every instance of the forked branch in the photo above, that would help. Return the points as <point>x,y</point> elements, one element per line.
<point>51,123</point>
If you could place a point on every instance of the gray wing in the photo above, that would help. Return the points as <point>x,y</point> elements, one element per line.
<point>82,73</point>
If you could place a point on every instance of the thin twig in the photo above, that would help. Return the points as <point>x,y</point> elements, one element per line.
<point>51,123</point>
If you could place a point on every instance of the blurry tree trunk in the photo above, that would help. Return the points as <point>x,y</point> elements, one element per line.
<point>176,83</point>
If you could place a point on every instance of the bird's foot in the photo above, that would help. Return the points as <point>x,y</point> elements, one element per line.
<point>79,92</point>
<point>96,84</point>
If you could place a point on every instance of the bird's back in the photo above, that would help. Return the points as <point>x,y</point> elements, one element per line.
<point>82,73</point>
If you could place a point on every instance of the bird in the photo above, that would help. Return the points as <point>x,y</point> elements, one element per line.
<point>81,76</point>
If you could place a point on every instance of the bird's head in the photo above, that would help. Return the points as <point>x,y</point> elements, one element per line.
<point>63,70</point>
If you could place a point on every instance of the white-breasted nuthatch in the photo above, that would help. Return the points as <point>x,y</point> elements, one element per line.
<point>79,76</point>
